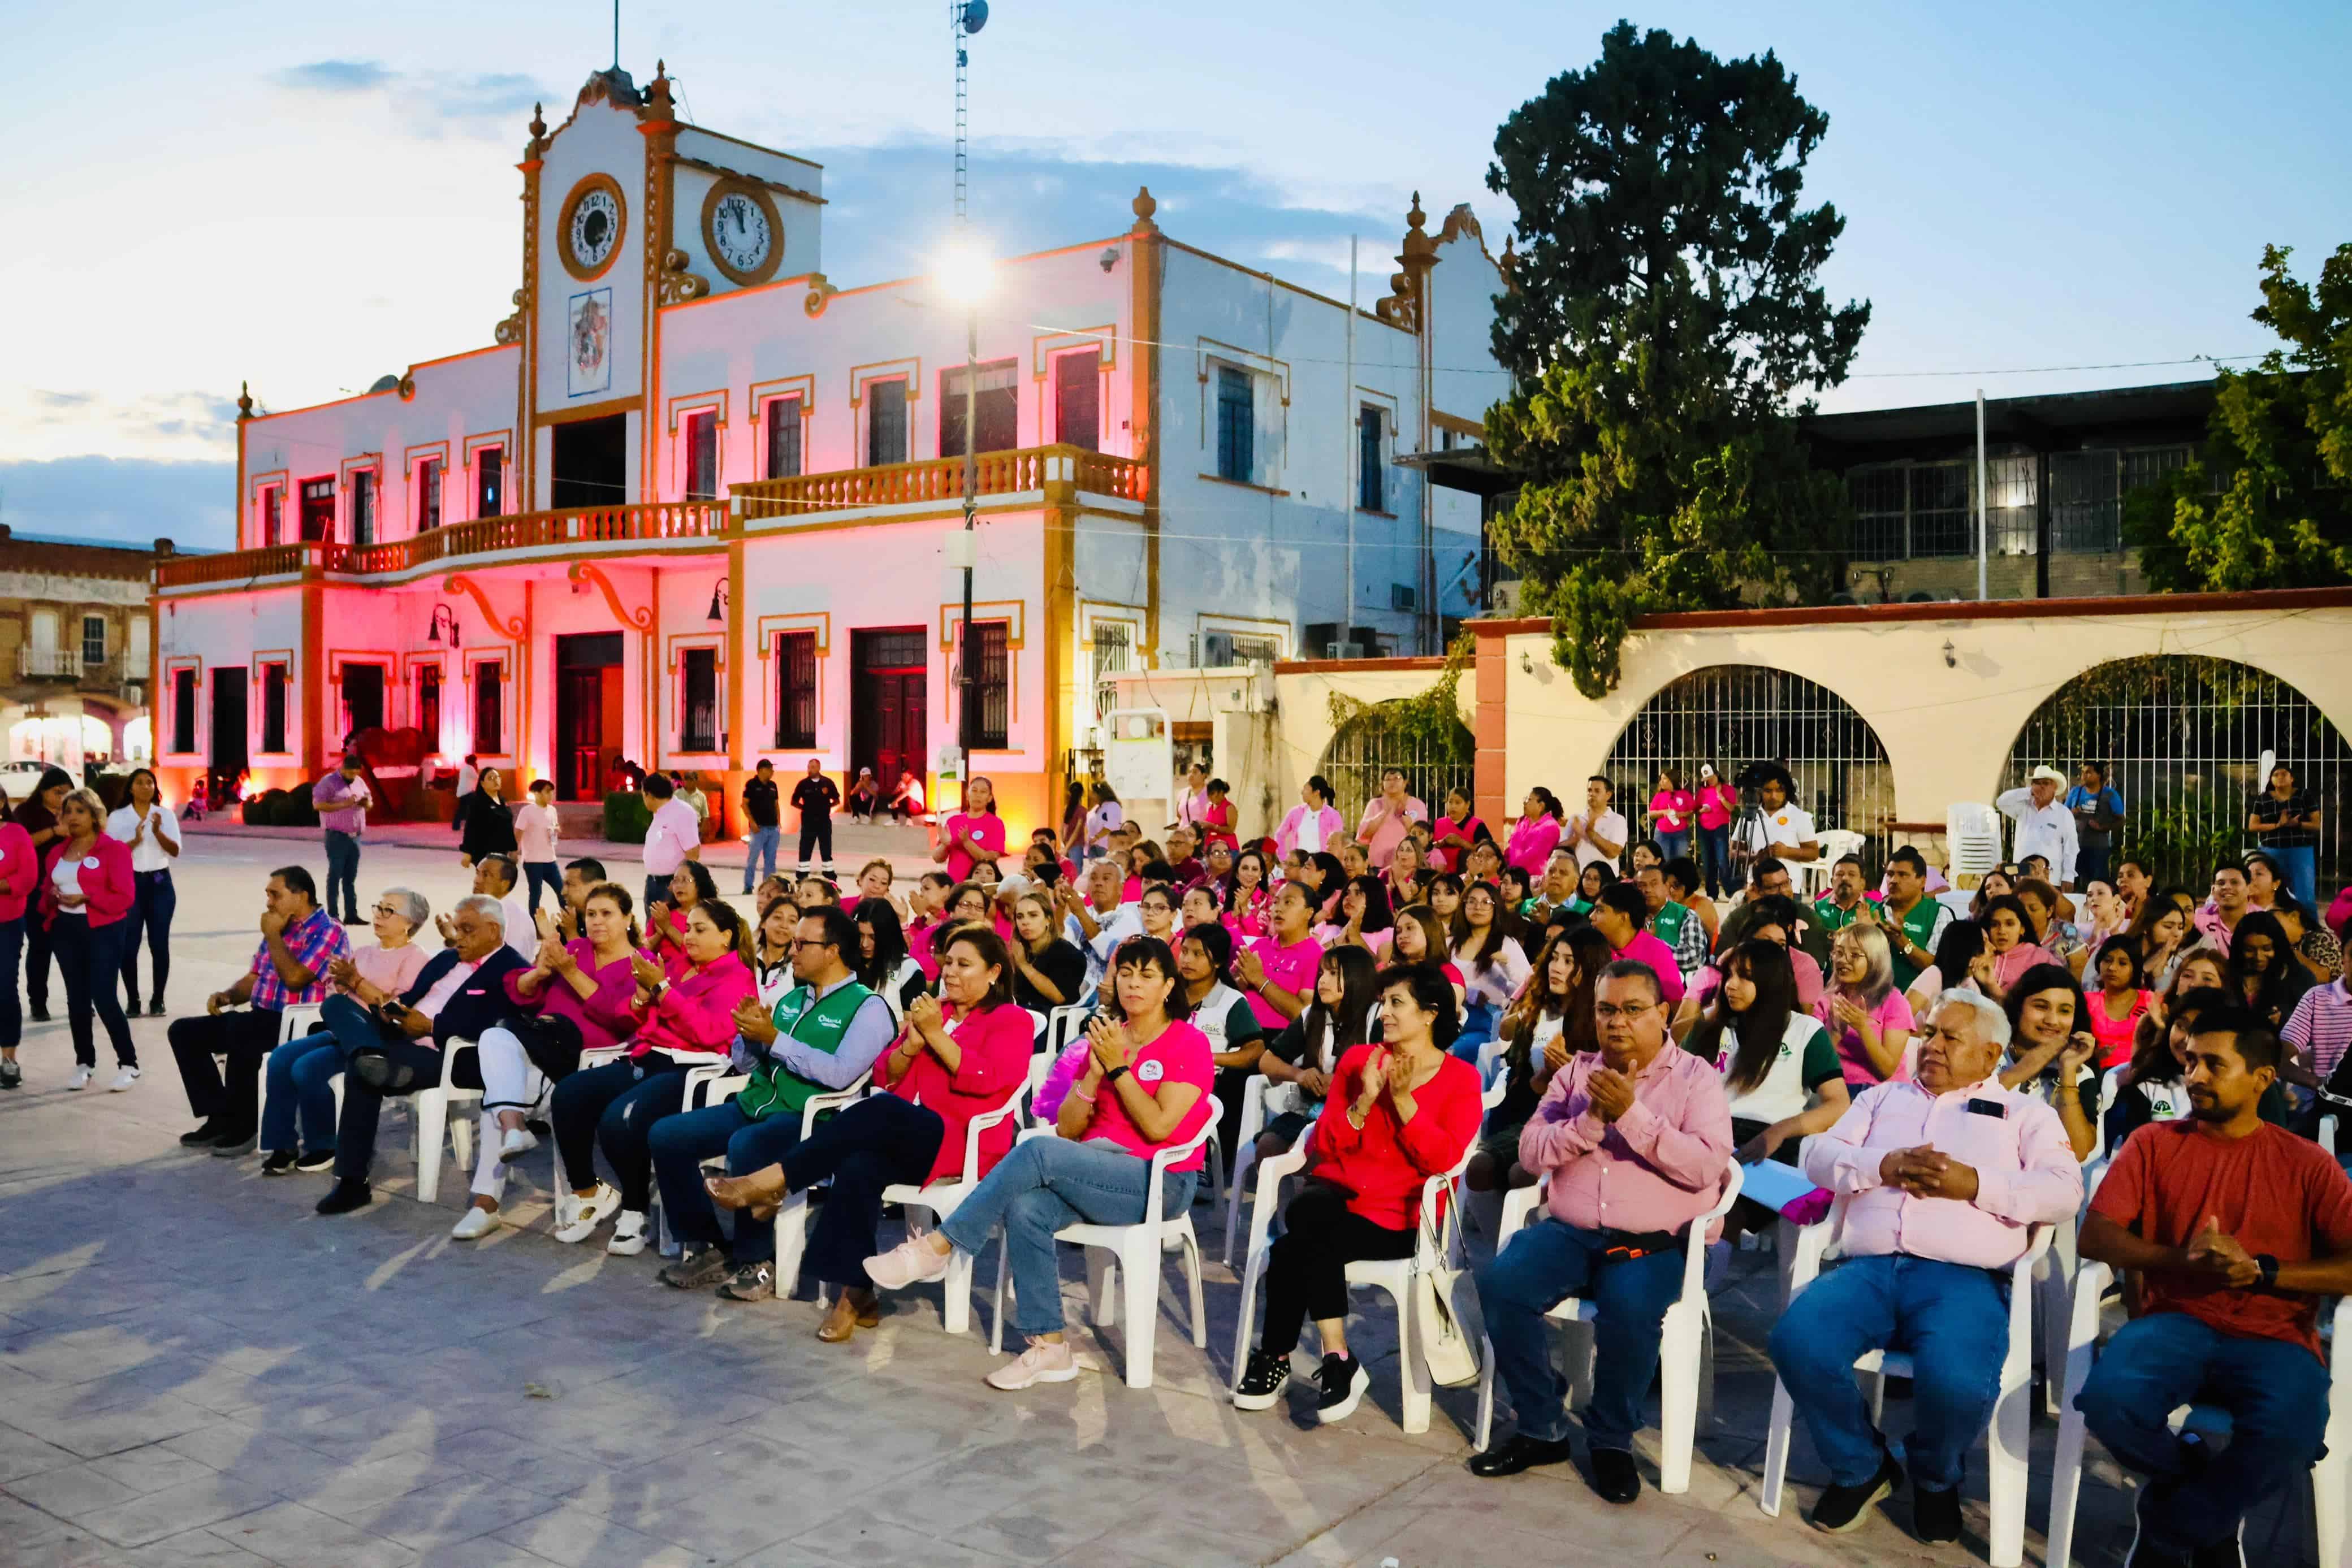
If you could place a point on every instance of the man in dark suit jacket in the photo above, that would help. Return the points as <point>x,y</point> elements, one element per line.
<point>393,1044</point>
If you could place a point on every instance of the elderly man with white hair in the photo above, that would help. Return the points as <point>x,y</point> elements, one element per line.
<point>1943,1174</point>
<point>392,1044</point>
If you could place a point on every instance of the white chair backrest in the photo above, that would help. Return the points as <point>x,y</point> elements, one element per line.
<point>1837,841</point>
<point>1972,838</point>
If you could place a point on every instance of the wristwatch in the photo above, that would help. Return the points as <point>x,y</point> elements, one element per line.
<point>1114,1074</point>
<point>2269,1265</point>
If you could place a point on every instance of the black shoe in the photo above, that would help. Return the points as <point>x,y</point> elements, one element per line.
<point>1614,1477</point>
<point>234,1145</point>
<point>382,1073</point>
<point>11,1075</point>
<point>2144,1552</point>
<point>131,1008</point>
<point>316,1160</point>
<point>1342,1379</point>
<point>279,1163</point>
<point>346,1196</point>
<point>698,1269</point>
<point>752,1283</point>
<point>40,1012</point>
<point>1263,1380</point>
<point>1841,1509</point>
<point>155,1009</point>
<point>1519,1452</point>
<point>203,1137</point>
<point>1934,1515</point>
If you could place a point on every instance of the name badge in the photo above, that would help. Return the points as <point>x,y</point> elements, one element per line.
<point>89,863</point>
<point>1151,1072</point>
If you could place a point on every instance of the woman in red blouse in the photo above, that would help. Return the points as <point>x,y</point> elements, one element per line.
<point>962,1054</point>
<point>1398,1114</point>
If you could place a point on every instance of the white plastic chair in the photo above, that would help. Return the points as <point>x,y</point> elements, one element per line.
<point>1253,1125</point>
<point>2007,1437</point>
<point>1972,838</point>
<point>598,1056</point>
<point>430,1108</point>
<point>2331,1478</point>
<point>296,1022</point>
<point>2054,1277</point>
<point>1038,1024</point>
<point>941,1197</point>
<point>1394,1275</point>
<point>1061,1025</point>
<point>1681,1343</point>
<point>1126,1258</point>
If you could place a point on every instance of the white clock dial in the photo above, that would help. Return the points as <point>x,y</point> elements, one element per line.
<point>740,230</point>
<point>596,229</point>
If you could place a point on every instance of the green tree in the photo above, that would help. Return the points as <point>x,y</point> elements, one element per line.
<point>2270,506</point>
<point>1665,310</point>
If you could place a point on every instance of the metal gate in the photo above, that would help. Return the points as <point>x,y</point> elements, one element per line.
<point>2182,738</point>
<point>1733,714</point>
<point>1364,748</point>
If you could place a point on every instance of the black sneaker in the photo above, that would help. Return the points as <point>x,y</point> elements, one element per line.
<point>1934,1515</point>
<point>155,1006</point>
<point>39,1012</point>
<point>233,1146</point>
<point>345,1195</point>
<point>2144,1552</point>
<point>279,1163</point>
<point>698,1269</point>
<point>131,1008</point>
<point>1342,1379</point>
<point>203,1137</point>
<point>316,1160</point>
<point>1841,1509</point>
<point>752,1283</point>
<point>1262,1381</point>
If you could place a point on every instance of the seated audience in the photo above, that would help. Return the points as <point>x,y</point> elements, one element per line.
<point>1400,1113</point>
<point>298,1094</point>
<point>2008,938</point>
<point>580,878</point>
<point>691,887</point>
<point>1247,897</point>
<point>1096,922</point>
<point>2117,1001</point>
<point>2050,1051</point>
<point>1489,950</point>
<point>1276,972</point>
<point>1149,1087</point>
<point>772,942</point>
<point>2231,1230</point>
<point>1549,1024</point>
<point>1636,1140</point>
<point>1960,957</point>
<point>1364,919</point>
<point>1670,920</point>
<point>2264,969</point>
<point>1301,1059</point>
<point>884,965</point>
<point>1236,1040</point>
<point>1619,915</point>
<point>1913,919</point>
<point>1868,1019</point>
<point>1940,1192</point>
<point>1048,971</point>
<point>500,876</point>
<point>299,940</point>
<point>1781,1077</point>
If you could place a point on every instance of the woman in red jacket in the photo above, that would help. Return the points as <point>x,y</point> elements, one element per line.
<point>86,890</point>
<point>1398,1114</point>
<point>961,1055</point>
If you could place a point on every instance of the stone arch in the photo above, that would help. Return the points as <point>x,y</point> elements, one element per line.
<point>2182,735</point>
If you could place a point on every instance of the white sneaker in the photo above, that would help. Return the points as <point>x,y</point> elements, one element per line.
<point>82,1077</point>
<point>475,1223</point>
<point>628,1234</point>
<point>577,1218</point>
<point>1041,1362</point>
<point>123,1080</point>
<point>519,1142</point>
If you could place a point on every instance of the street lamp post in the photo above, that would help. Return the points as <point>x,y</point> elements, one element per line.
<point>967,280</point>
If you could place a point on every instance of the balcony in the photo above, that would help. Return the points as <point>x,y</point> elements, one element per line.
<point>66,665</point>
<point>937,482</point>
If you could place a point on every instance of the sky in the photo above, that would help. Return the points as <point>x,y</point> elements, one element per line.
<point>306,197</point>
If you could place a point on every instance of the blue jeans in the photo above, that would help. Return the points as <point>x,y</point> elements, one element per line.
<point>153,901</point>
<point>2091,861</point>
<point>12,1001</point>
<point>90,957</point>
<point>1673,844</point>
<point>1477,1029</point>
<point>1715,857</point>
<point>1044,1184</point>
<point>760,854</point>
<point>681,1143</point>
<point>1951,1318</point>
<point>297,1083</point>
<point>2301,864</point>
<point>2277,1401</point>
<point>546,874</point>
<point>1544,1265</point>
<point>344,872</point>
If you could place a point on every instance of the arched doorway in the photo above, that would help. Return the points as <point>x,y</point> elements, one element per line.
<point>2182,738</point>
<point>1734,715</point>
<point>1427,741</point>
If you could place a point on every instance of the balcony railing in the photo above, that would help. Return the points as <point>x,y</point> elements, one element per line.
<point>66,664</point>
<point>938,481</point>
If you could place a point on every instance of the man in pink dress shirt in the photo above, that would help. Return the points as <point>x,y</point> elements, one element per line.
<point>1636,1140</point>
<point>1943,1174</point>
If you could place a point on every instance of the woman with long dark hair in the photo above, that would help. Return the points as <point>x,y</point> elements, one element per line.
<point>1204,957</point>
<point>2162,934</point>
<point>1338,1018</point>
<point>2051,1049</point>
<point>1250,897</point>
<point>1536,835</point>
<point>882,963</point>
<point>1364,918</point>
<point>691,887</point>
<point>2117,1000</point>
<point>1049,970</point>
<point>1781,1074</point>
<point>485,821</point>
<point>20,880</point>
<point>1491,954</point>
<point>145,823</point>
<point>36,814</point>
<point>773,940</point>
<point>1550,1022</point>
<point>2264,969</point>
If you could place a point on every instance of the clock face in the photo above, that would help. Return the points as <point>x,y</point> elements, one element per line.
<point>740,232</point>
<point>591,223</point>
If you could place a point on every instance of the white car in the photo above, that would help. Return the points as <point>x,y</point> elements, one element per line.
<point>16,777</point>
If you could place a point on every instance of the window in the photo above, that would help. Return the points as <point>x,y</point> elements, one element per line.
<point>702,455</point>
<point>996,408</point>
<point>184,710</point>
<point>783,439</point>
<point>1236,425</point>
<point>273,708</point>
<point>698,728</point>
<point>273,514</point>
<point>93,639</point>
<point>362,697</point>
<point>1372,473</point>
<point>364,506</point>
<point>135,662</point>
<point>489,482</point>
<point>489,709</point>
<point>992,674</point>
<point>429,495</point>
<point>1077,392</point>
<point>318,508</point>
<point>795,691</point>
<point>886,423</point>
<point>428,704</point>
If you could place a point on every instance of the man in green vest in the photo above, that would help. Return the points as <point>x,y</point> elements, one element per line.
<point>1673,923</point>
<point>1847,900</point>
<point>1914,922</point>
<point>825,1035</point>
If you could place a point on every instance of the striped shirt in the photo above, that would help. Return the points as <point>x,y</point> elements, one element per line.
<point>2321,1027</point>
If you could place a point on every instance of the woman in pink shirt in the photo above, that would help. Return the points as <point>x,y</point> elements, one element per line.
<point>1672,810</point>
<point>973,834</point>
<point>1868,1019</point>
<point>2009,947</point>
<point>20,873</point>
<point>2118,1003</point>
<point>1456,831</point>
<point>1249,899</point>
<point>691,887</point>
<point>1536,835</point>
<point>1719,803</point>
<point>85,890</point>
<point>926,907</point>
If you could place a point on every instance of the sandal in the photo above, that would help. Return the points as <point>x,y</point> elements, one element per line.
<point>844,1319</point>
<point>757,1192</point>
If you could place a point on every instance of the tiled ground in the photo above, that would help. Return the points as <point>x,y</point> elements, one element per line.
<point>195,1372</point>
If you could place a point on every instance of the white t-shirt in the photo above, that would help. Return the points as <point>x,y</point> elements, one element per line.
<point>1790,825</point>
<point>1101,823</point>
<point>67,874</point>
<point>522,934</point>
<point>1609,825</point>
<point>1310,832</point>
<point>148,855</point>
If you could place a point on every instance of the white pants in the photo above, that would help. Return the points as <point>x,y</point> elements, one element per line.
<point>510,1082</point>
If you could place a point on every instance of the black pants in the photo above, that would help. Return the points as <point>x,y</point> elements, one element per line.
<point>877,1142</point>
<point>817,831</point>
<point>357,1030</point>
<point>1231,1083</point>
<point>89,957</point>
<point>614,1107</point>
<point>1307,1267</point>
<point>154,900</point>
<point>229,1095</point>
<point>37,957</point>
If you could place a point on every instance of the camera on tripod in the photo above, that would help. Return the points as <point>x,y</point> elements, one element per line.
<point>1752,777</point>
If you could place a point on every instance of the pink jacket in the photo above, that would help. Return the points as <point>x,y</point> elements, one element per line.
<point>1531,843</point>
<point>696,1015</point>
<point>20,867</point>
<point>605,1019</point>
<point>105,880</point>
<point>1285,838</point>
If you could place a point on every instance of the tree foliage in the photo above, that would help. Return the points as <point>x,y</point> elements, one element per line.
<point>1665,310</point>
<point>2270,506</point>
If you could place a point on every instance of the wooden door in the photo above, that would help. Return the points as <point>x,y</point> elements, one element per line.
<point>889,724</point>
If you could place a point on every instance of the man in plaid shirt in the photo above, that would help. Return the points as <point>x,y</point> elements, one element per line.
<point>290,969</point>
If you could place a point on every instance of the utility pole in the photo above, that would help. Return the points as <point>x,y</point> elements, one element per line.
<point>1983,500</point>
<point>968,17</point>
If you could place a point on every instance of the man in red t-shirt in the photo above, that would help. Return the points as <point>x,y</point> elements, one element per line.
<point>2233,1228</point>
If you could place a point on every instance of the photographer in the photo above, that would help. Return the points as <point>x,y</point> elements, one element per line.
<point>1776,827</point>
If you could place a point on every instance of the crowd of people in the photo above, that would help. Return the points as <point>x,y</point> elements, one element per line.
<point>1574,1001</point>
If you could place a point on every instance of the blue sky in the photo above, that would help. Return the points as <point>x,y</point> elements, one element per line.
<point>308,196</point>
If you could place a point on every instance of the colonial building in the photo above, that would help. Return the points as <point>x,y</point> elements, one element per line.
<point>701,503</point>
<point>76,648</point>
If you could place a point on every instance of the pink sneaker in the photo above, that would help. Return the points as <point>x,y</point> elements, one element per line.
<point>1041,1362</point>
<point>911,1262</point>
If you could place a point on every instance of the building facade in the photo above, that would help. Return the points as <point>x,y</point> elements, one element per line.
<point>699,504</point>
<point>76,650</point>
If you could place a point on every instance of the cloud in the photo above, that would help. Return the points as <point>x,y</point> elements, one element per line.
<point>333,77</point>
<point>431,105</point>
<point>133,499</point>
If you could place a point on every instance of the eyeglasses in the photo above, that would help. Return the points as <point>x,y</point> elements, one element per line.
<point>388,909</point>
